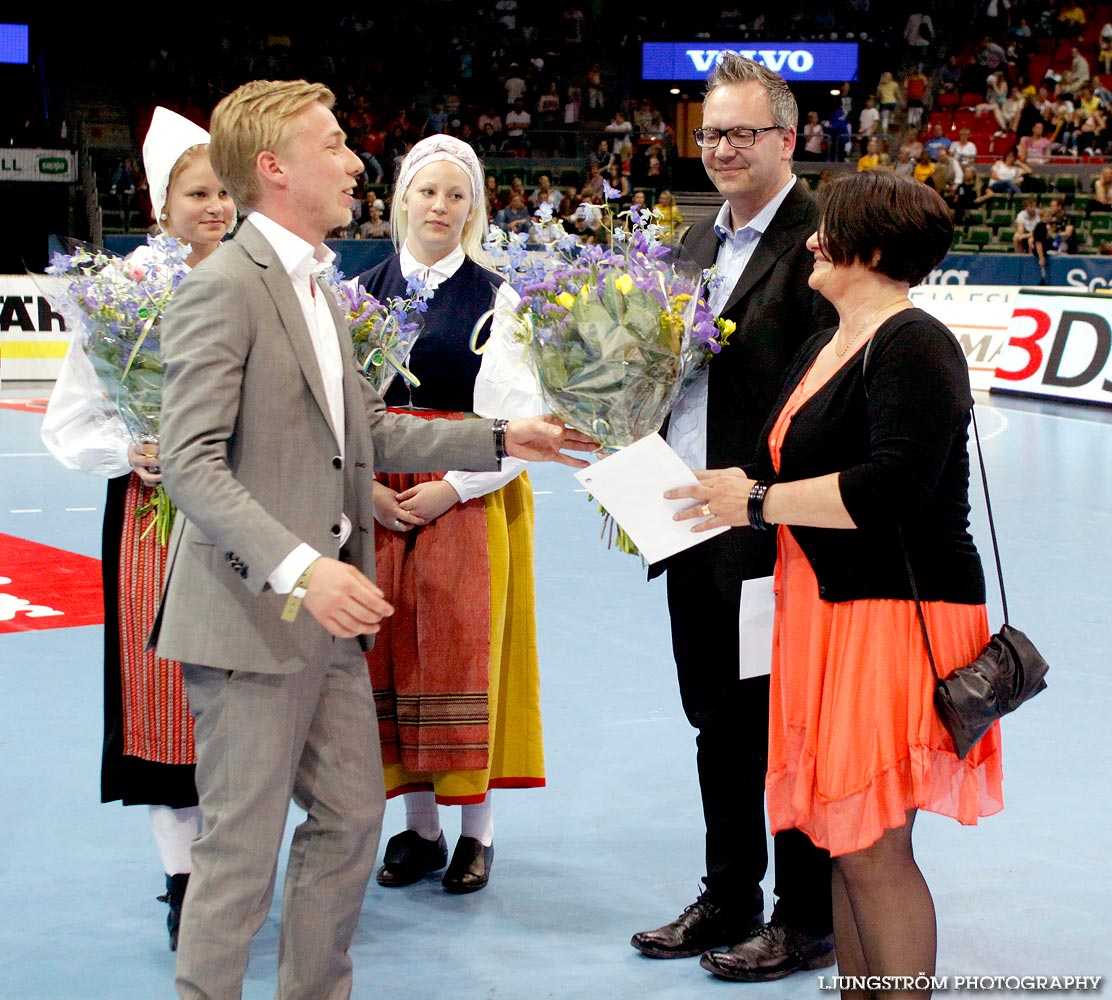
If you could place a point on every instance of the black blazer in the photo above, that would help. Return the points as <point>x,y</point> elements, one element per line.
<point>775,311</point>
<point>893,423</point>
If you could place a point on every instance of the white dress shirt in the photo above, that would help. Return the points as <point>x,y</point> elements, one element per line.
<point>303,262</point>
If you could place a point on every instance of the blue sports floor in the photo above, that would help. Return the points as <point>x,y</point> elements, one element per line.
<point>614,843</point>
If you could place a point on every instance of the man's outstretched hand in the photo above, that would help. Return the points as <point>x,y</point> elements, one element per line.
<point>544,439</point>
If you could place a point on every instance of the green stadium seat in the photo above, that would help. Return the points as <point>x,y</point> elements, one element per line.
<point>979,236</point>
<point>1064,184</point>
<point>1000,218</point>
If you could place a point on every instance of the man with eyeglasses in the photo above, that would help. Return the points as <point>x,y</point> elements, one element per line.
<point>756,243</point>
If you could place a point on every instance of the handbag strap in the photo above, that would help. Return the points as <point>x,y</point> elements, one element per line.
<point>991,528</point>
<point>995,552</point>
<point>988,509</point>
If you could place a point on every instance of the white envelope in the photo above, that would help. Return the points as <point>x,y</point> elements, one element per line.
<point>754,628</point>
<point>630,484</point>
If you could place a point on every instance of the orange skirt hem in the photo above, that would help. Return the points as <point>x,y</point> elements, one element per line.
<point>931,779</point>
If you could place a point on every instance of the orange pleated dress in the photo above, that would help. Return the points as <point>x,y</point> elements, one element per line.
<point>854,740</point>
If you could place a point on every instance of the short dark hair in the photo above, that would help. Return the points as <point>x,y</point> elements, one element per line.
<point>897,225</point>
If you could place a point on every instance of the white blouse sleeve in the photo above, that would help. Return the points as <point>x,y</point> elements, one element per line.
<point>504,387</point>
<point>82,428</point>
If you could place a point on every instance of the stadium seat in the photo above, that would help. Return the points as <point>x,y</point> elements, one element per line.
<point>1004,241</point>
<point>977,237</point>
<point>1000,218</point>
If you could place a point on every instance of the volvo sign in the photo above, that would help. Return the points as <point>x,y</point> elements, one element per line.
<point>811,62</point>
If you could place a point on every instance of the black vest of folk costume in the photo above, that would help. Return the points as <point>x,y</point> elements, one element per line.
<point>442,358</point>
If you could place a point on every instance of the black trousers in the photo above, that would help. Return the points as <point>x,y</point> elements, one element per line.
<point>731,719</point>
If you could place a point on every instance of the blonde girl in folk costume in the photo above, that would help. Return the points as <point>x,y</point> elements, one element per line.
<point>455,668</point>
<point>147,756</point>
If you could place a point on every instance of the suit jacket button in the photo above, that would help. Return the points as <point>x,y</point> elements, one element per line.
<point>335,529</point>
<point>337,462</point>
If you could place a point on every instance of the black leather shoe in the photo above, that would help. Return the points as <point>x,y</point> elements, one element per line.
<point>702,925</point>
<point>771,952</point>
<point>175,896</point>
<point>470,867</point>
<point>409,857</point>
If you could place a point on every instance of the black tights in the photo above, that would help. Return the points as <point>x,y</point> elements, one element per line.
<point>884,923</point>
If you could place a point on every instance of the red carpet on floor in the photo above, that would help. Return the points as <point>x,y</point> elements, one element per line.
<point>26,405</point>
<point>43,587</point>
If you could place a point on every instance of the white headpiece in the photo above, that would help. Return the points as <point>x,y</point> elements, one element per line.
<point>443,147</point>
<point>169,136</point>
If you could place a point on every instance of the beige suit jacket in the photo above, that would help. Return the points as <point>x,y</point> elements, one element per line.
<point>250,458</point>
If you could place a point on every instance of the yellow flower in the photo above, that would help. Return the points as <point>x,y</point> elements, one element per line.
<point>565,299</point>
<point>624,284</point>
<point>727,326</point>
<point>679,300</point>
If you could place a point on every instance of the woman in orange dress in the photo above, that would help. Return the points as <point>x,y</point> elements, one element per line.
<point>864,458</point>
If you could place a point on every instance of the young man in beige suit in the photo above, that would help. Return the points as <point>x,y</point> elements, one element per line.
<point>270,439</point>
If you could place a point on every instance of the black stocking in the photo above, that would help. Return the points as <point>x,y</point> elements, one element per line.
<point>851,958</point>
<point>894,931</point>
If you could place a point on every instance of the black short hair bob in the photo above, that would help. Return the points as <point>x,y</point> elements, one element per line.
<point>898,226</point>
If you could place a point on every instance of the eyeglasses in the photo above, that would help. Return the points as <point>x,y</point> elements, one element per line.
<point>739,138</point>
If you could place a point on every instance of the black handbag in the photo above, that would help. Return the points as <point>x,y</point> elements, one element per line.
<point>1007,672</point>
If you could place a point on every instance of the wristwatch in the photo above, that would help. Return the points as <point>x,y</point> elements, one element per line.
<point>499,428</point>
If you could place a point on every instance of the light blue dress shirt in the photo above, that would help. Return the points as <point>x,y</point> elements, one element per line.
<point>687,426</point>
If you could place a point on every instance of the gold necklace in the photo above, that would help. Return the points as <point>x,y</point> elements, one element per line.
<point>861,329</point>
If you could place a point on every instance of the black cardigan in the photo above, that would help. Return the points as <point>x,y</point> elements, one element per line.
<point>897,436</point>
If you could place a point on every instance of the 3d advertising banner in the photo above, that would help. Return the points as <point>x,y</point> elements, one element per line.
<point>1058,346</point>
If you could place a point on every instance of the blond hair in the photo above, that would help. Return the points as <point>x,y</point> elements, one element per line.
<point>474,228</point>
<point>471,238</point>
<point>252,119</point>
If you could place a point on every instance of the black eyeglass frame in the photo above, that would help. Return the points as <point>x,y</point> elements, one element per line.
<point>753,134</point>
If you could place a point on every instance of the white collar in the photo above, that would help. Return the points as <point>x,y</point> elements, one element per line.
<point>294,253</point>
<point>433,274</point>
<point>761,221</point>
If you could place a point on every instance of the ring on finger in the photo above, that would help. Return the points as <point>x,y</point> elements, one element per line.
<point>705,510</point>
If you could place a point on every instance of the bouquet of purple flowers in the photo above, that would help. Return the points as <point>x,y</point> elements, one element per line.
<point>382,333</point>
<point>614,333</point>
<point>115,305</point>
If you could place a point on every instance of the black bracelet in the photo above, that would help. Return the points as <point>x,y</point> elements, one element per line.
<point>499,428</point>
<point>755,508</point>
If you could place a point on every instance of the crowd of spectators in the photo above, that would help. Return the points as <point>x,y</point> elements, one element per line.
<point>558,90</point>
<point>982,119</point>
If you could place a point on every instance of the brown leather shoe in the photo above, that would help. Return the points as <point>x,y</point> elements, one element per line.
<point>772,951</point>
<point>702,925</point>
